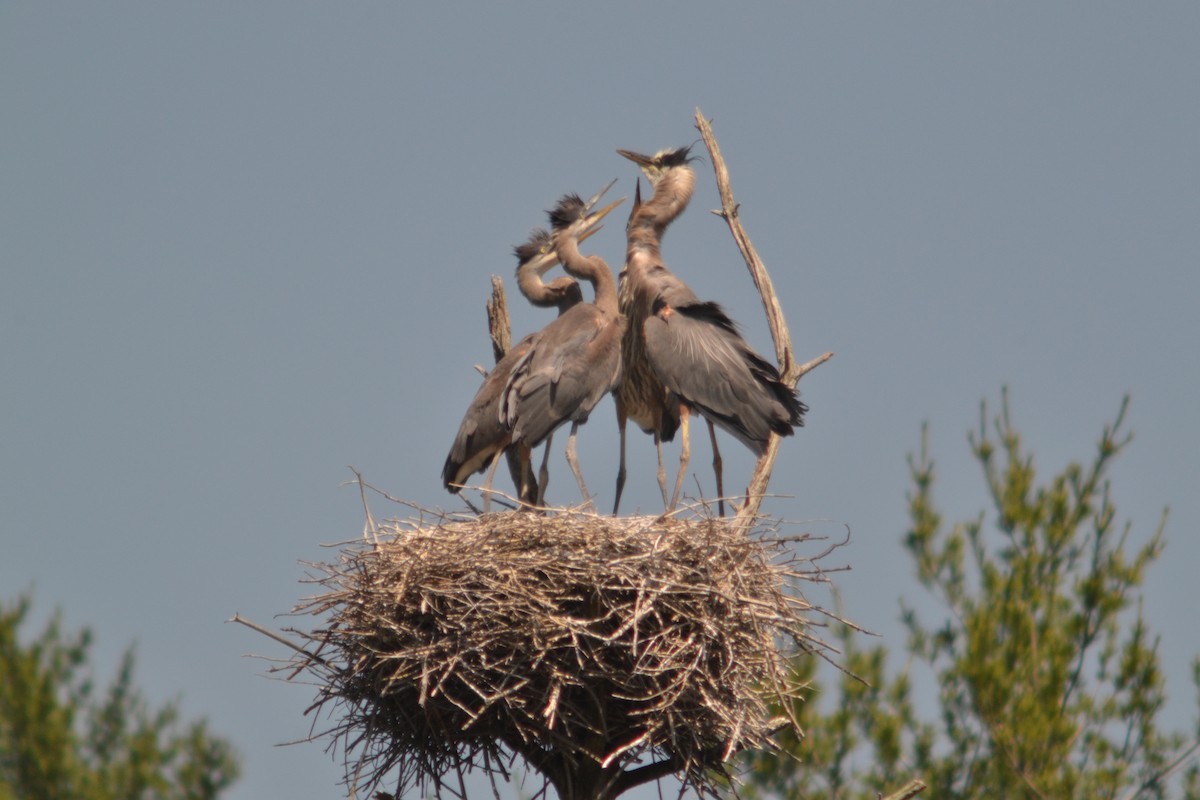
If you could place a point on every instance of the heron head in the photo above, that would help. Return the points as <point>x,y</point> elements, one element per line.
<point>536,254</point>
<point>575,215</point>
<point>656,166</point>
<point>535,257</point>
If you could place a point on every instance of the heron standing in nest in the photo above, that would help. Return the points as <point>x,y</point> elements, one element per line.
<point>682,354</point>
<point>482,437</point>
<point>577,359</point>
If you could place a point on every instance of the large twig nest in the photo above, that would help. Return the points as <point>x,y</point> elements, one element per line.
<point>592,647</point>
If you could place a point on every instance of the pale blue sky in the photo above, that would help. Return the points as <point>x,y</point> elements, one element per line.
<point>243,245</point>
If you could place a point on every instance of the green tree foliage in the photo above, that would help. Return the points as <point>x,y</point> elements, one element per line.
<point>62,737</point>
<point>1047,671</point>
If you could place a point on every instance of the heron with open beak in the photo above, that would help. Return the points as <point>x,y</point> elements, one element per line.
<point>482,436</point>
<point>577,359</point>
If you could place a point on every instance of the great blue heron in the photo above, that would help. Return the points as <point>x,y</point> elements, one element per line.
<point>482,436</point>
<point>683,354</point>
<point>577,359</point>
<point>535,258</point>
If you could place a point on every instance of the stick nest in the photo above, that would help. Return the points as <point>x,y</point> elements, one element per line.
<point>607,651</point>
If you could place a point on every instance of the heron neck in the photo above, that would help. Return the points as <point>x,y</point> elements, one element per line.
<point>589,268</point>
<point>530,284</point>
<point>671,196</point>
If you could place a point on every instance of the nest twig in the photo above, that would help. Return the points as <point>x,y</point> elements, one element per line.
<point>604,652</point>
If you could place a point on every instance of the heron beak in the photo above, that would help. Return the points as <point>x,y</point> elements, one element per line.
<point>645,162</point>
<point>589,233</point>
<point>651,167</point>
<point>544,262</point>
<point>591,223</point>
<point>591,203</point>
<point>541,263</point>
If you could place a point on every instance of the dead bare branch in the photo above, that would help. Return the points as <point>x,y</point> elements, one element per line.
<point>789,370</point>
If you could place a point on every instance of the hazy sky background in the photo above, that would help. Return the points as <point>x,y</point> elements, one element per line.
<point>244,245</point>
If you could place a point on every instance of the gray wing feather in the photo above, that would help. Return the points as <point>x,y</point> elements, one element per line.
<point>563,376</point>
<point>482,431</point>
<point>698,354</point>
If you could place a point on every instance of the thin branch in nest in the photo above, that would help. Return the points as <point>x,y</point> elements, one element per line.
<point>270,634</point>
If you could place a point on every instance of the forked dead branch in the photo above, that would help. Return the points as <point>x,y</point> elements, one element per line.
<point>790,371</point>
<point>605,652</point>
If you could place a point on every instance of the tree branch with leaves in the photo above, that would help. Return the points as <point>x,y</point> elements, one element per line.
<point>1048,676</point>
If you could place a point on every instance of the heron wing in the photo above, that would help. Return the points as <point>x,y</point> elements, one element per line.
<point>699,355</point>
<point>483,433</point>
<point>564,375</point>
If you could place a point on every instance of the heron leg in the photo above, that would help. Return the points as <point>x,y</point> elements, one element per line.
<point>519,464</point>
<point>621,420</point>
<point>574,463</point>
<point>717,465</point>
<point>487,484</point>
<point>662,472</point>
<point>526,488</point>
<point>544,473</point>
<point>685,455</point>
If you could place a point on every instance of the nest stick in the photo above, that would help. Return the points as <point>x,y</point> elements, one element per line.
<point>606,652</point>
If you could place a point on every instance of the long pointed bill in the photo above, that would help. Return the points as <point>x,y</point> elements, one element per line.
<point>591,223</point>
<point>591,203</point>
<point>650,166</point>
<point>637,158</point>
<point>590,232</point>
<point>547,259</point>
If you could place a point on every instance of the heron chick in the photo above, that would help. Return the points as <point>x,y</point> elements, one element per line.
<point>483,436</point>
<point>577,359</point>
<point>683,354</point>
